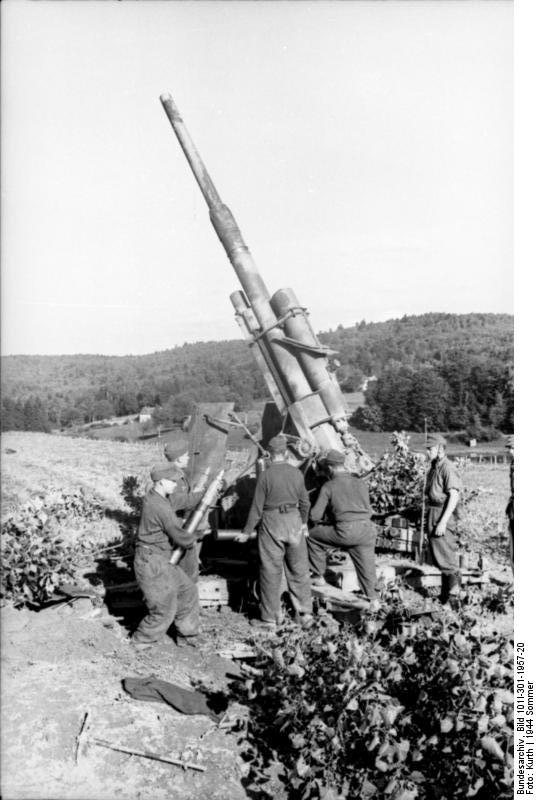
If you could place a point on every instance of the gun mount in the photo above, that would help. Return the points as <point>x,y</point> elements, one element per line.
<point>293,361</point>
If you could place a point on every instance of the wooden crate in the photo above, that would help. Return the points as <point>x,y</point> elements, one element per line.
<point>213,592</point>
<point>398,539</point>
<point>426,577</point>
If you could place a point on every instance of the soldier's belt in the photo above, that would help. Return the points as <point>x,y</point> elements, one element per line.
<point>286,508</point>
<point>154,548</point>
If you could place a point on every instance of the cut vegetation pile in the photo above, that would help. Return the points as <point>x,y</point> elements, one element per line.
<point>385,711</point>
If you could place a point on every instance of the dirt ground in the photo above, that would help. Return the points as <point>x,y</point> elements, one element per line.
<point>68,660</point>
<point>65,661</point>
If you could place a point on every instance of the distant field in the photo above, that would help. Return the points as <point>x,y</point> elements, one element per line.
<point>133,431</point>
<point>374,443</point>
<point>43,462</point>
<point>377,443</point>
<point>354,400</point>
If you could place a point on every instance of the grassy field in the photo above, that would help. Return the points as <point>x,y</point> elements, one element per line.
<point>483,522</point>
<point>36,463</point>
<point>40,462</point>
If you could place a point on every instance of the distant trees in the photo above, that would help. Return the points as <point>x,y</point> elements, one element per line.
<point>455,370</point>
<point>103,409</point>
<point>28,415</point>
<point>174,409</point>
<point>349,375</point>
<point>405,396</point>
<point>477,399</point>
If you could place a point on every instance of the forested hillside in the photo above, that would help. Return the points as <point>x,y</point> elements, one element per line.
<point>454,369</point>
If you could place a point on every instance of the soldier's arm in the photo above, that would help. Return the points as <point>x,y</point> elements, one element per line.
<point>303,500</point>
<point>452,502</point>
<point>317,511</point>
<point>176,532</point>
<point>185,501</point>
<point>257,505</point>
<point>452,488</point>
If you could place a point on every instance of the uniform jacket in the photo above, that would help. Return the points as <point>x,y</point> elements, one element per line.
<point>442,478</point>
<point>159,526</point>
<point>346,497</point>
<point>278,486</point>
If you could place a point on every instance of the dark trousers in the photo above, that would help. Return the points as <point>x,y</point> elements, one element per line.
<point>282,547</point>
<point>442,548</point>
<point>169,594</point>
<point>358,539</point>
<point>189,562</point>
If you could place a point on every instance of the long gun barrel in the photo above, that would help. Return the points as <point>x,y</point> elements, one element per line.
<point>293,361</point>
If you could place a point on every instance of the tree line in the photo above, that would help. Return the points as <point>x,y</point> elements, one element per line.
<point>455,370</point>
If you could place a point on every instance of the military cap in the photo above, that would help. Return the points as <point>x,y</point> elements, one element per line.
<point>335,457</point>
<point>278,444</point>
<point>435,438</point>
<point>168,471</point>
<point>172,451</point>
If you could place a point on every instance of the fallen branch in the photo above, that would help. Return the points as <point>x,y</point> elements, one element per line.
<point>184,764</point>
<point>78,742</point>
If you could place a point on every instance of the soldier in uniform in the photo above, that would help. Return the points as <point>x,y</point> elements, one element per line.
<point>346,498</point>
<point>510,506</point>
<point>442,493</point>
<point>182,500</point>
<point>281,504</point>
<point>169,594</point>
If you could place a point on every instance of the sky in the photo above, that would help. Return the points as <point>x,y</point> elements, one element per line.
<point>365,149</point>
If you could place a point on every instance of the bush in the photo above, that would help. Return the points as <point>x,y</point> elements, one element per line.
<point>133,494</point>
<point>397,482</point>
<point>382,714</point>
<point>367,418</point>
<point>35,557</point>
<point>488,434</point>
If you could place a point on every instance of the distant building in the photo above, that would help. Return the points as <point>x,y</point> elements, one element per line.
<point>146,414</point>
<point>367,381</point>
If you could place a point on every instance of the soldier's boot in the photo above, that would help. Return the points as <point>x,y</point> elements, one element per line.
<point>446,586</point>
<point>450,587</point>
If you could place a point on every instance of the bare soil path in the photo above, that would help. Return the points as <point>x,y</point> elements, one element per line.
<point>60,663</point>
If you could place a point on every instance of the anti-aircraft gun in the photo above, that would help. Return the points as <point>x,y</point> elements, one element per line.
<point>294,363</point>
<point>312,410</point>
